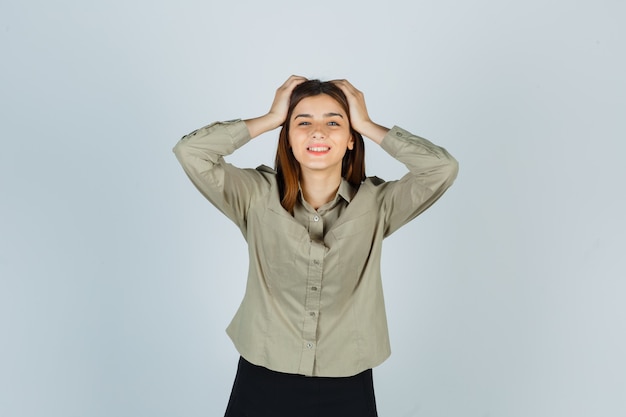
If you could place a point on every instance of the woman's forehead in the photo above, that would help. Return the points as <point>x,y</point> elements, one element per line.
<point>319,104</point>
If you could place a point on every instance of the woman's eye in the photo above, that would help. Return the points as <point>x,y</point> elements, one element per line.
<point>304,124</point>
<point>333,124</point>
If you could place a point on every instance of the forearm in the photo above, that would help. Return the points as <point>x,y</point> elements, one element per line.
<point>373,131</point>
<point>202,149</point>
<point>431,163</point>
<point>263,124</point>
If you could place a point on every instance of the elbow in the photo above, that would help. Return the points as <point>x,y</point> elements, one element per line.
<point>183,146</point>
<point>180,147</point>
<point>450,170</point>
<point>184,153</point>
<point>454,168</point>
<point>184,150</point>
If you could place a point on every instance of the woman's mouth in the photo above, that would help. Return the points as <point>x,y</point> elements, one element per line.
<point>318,149</point>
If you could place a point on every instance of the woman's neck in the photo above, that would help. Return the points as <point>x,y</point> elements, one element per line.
<point>319,188</point>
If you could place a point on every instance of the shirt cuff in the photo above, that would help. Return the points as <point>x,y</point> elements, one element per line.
<point>238,132</point>
<point>395,140</point>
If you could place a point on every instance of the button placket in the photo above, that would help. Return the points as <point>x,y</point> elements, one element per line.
<point>311,307</point>
<point>316,227</point>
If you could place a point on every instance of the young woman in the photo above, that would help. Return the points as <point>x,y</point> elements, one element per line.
<point>312,322</point>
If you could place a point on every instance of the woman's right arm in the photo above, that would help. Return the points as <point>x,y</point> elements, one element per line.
<point>201,154</point>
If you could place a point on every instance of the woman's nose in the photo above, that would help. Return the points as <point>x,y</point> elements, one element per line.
<point>319,131</point>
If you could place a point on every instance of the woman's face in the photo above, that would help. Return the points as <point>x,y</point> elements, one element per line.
<point>319,135</point>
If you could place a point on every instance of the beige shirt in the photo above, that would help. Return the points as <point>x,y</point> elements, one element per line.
<point>314,301</point>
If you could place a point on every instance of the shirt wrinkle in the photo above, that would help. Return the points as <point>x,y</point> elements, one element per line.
<point>313,303</point>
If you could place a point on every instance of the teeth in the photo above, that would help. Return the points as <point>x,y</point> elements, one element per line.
<point>319,148</point>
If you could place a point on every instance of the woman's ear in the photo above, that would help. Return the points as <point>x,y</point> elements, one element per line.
<point>351,142</point>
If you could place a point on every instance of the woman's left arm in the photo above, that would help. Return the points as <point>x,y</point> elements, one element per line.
<point>432,170</point>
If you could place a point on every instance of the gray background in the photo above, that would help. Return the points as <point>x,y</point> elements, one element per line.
<point>118,278</point>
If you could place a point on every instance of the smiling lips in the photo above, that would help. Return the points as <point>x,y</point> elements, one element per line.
<point>318,149</point>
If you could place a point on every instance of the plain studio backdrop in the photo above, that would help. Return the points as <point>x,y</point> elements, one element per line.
<point>117,279</point>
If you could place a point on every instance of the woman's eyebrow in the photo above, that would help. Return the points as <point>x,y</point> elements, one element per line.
<point>325,115</point>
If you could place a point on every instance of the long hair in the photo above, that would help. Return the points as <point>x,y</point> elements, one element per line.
<point>288,168</point>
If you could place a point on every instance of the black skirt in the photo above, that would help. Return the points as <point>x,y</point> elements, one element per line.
<point>260,392</point>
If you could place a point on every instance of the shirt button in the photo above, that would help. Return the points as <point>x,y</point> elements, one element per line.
<point>312,314</point>
<point>398,134</point>
<point>316,218</point>
<point>314,288</point>
<point>309,345</point>
<point>316,262</point>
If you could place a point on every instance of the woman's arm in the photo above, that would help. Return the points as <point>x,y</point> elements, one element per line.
<point>432,169</point>
<point>201,154</point>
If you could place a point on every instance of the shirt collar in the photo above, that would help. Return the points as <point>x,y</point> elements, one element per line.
<point>345,191</point>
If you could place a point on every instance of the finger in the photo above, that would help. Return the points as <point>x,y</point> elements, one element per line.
<point>343,84</point>
<point>293,81</point>
<point>348,89</point>
<point>283,93</point>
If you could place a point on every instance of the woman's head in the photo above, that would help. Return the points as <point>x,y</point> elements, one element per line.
<point>287,165</point>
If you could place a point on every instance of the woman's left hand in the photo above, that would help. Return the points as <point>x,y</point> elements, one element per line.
<point>359,117</point>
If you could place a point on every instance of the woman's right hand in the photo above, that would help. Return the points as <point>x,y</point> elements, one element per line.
<point>280,106</point>
<point>278,112</point>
